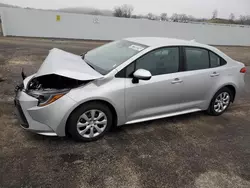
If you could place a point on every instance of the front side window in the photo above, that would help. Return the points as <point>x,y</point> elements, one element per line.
<point>196,58</point>
<point>107,57</point>
<point>160,61</point>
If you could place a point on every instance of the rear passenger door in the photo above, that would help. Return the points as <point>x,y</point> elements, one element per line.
<point>201,72</point>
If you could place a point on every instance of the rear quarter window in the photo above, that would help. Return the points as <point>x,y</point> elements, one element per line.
<point>222,61</point>
<point>215,60</point>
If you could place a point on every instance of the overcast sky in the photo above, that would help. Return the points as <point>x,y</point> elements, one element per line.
<point>197,8</point>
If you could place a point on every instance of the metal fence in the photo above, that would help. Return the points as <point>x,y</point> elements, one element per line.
<point>38,23</point>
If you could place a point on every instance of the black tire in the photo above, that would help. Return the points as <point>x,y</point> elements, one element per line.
<point>211,109</point>
<point>74,117</point>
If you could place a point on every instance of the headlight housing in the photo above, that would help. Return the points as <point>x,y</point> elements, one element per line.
<point>47,97</point>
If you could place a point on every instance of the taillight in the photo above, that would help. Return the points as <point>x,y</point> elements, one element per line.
<point>243,70</point>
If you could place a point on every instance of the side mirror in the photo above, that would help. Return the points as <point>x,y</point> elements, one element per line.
<point>141,74</point>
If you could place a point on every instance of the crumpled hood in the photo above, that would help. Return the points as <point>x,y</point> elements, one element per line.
<point>68,65</point>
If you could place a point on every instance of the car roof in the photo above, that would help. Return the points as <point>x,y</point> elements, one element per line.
<point>161,41</point>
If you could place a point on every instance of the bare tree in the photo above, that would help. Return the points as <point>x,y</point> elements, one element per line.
<point>247,20</point>
<point>242,19</point>
<point>215,14</point>
<point>164,17</point>
<point>231,17</point>
<point>191,18</point>
<point>182,17</point>
<point>127,10</point>
<point>123,11</point>
<point>150,16</point>
<point>174,17</point>
<point>118,12</point>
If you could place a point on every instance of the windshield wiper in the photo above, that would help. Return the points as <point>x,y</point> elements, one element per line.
<point>83,55</point>
<point>83,58</point>
<point>89,64</point>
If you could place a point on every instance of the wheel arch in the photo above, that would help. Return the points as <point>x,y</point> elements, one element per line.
<point>233,90</point>
<point>231,87</point>
<point>105,102</point>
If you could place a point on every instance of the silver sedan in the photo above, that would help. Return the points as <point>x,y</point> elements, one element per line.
<point>125,82</point>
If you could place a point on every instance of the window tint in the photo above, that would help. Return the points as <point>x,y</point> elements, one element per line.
<point>121,73</point>
<point>196,58</point>
<point>160,61</point>
<point>222,62</point>
<point>130,70</point>
<point>214,60</point>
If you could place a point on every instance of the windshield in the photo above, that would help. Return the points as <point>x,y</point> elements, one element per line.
<point>107,57</point>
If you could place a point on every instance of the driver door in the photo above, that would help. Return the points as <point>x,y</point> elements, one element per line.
<point>158,96</point>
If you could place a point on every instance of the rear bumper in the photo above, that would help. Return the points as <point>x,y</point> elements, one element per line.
<point>240,89</point>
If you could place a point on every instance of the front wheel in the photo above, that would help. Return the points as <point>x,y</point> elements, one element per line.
<point>220,102</point>
<point>90,121</point>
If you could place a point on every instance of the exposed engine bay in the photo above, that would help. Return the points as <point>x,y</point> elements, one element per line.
<point>53,82</point>
<point>49,88</point>
<point>60,72</point>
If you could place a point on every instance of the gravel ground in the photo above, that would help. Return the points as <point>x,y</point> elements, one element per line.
<point>193,150</point>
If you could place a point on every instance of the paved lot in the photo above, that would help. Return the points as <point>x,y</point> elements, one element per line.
<point>194,150</point>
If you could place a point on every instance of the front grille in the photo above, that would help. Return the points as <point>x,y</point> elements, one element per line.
<point>20,114</point>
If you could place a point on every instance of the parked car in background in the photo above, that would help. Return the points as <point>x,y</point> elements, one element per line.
<point>125,82</point>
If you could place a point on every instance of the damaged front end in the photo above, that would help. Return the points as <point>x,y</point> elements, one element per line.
<point>60,72</point>
<point>49,88</point>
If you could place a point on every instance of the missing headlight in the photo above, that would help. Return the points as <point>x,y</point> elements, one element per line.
<point>53,81</point>
<point>50,88</point>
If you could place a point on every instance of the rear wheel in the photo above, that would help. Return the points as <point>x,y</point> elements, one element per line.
<point>90,121</point>
<point>220,102</point>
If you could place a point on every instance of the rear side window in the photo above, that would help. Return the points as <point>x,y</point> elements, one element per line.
<point>196,58</point>
<point>215,61</point>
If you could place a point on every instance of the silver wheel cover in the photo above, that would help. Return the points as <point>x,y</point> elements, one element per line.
<point>221,102</point>
<point>92,123</point>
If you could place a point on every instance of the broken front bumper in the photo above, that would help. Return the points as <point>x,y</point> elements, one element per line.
<point>23,102</point>
<point>19,112</point>
<point>48,120</point>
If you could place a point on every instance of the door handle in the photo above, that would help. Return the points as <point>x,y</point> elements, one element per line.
<point>176,81</point>
<point>214,74</point>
